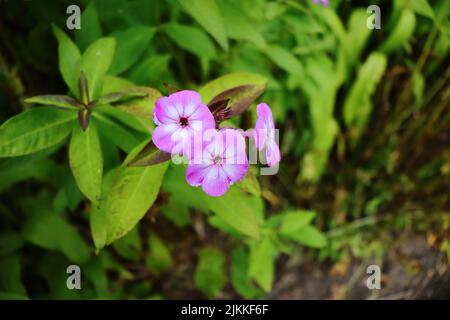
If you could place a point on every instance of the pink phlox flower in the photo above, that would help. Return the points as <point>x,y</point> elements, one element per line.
<point>178,118</point>
<point>265,134</point>
<point>223,162</point>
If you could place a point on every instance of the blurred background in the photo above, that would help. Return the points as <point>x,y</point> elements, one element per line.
<point>364,119</point>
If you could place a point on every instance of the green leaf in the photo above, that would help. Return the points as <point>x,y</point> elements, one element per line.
<point>308,236</point>
<point>34,130</point>
<point>262,263</point>
<point>115,133</point>
<point>356,37</point>
<point>40,168</point>
<point>95,62</point>
<point>11,287</point>
<point>423,8</point>
<point>418,84</point>
<point>285,60</point>
<point>250,183</point>
<point>132,192</point>
<point>149,155</point>
<point>191,39</point>
<point>293,221</point>
<point>68,56</point>
<point>207,14</point>
<point>236,209</point>
<point>131,44</point>
<point>97,216</point>
<point>90,27</point>
<point>152,70</point>
<point>158,258</point>
<point>239,275</point>
<point>51,231</point>
<point>403,30</point>
<point>114,98</point>
<point>57,100</point>
<point>10,242</point>
<point>129,246</point>
<point>232,80</point>
<point>210,273</point>
<point>86,162</point>
<point>358,106</point>
<point>142,108</point>
<point>239,25</point>
<point>182,197</point>
<point>112,84</point>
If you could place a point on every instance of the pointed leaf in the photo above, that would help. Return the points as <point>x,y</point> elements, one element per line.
<point>132,192</point>
<point>95,62</point>
<point>131,44</point>
<point>294,221</point>
<point>86,162</point>
<point>90,27</point>
<point>148,156</point>
<point>403,30</point>
<point>262,263</point>
<point>207,14</point>
<point>68,56</point>
<point>34,130</point>
<point>239,98</point>
<point>308,236</point>
<point>210,272</point>
<point>236,209</point>
<point>57,100</point>
<point>119,97</point>
<point>285,60</point>
<point>191,39</point>
<point>232,80</point>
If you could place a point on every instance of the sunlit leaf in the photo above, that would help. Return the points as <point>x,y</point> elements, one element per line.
<point>95,62</point>
<point>34,130</point>
<point>262,263</point>
<point>232,80</point>
<point>86,161</point>
<point>207,14</point>
<point>68,57</point>
<point>133,191</point>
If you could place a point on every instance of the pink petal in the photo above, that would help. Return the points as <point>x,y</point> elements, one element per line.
<point>264,122</point>
<point>215,182</point>
<point>186,101</point>
<point>162,136</point>
<point>235,172</point>
<point>273,155</point>
<point>195,174</point>
<point>203,114</point>
<point>165,112</point>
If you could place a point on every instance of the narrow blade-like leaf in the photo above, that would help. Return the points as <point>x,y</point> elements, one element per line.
<point>57,100</point>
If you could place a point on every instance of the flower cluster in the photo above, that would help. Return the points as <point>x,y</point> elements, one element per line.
<point>216,156</point>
